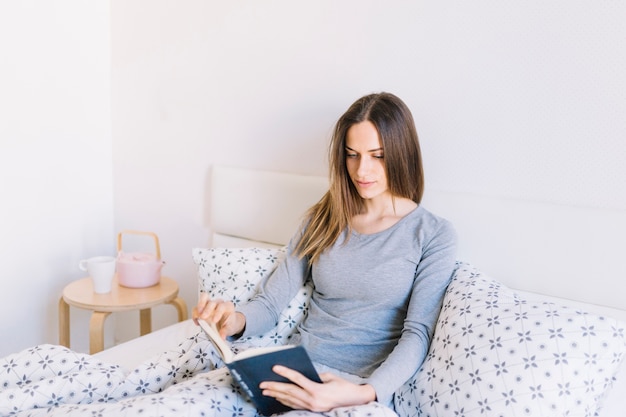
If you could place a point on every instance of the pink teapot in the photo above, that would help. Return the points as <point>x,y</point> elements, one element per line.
<point>138,269</point>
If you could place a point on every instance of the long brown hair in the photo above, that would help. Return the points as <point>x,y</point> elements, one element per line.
<point>403,168</point>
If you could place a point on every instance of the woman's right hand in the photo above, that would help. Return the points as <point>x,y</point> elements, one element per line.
<point>228,321</point>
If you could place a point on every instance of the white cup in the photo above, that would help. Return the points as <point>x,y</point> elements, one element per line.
<point>101,269</point>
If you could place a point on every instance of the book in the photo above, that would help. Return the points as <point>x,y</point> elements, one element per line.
<point>252,366</point>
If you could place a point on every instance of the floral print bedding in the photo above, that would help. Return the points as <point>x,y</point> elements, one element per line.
<point>493,353</point>
<point>50,380</point>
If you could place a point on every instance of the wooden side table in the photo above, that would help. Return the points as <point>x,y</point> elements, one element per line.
<point>80,294</point>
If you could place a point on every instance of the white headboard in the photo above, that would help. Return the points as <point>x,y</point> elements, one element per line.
<point>557,250</point>
<point>572,252</point>
<point>259,208</point>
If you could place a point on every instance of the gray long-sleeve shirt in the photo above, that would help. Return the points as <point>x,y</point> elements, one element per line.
<point>375,302</point>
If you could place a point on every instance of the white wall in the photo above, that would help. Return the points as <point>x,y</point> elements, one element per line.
<point>513,100</point>
<point>55,161</point>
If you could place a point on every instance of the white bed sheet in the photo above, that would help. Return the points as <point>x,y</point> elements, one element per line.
<point>131,353</point>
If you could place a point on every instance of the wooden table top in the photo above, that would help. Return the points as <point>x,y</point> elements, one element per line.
<point>80,294</point>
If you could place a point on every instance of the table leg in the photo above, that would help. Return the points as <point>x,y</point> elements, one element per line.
<point>64,323</point>
<point>145,321</point>
<point>181,307</point>
<point>96,331</point>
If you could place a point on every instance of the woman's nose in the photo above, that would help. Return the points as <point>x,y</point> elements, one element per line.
<point>364,166</point>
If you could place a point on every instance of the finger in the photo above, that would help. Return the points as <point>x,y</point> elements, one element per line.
<point>222,317</point>
<point>209,310</point>
<point>202,300</point>
<point>200,305</point>
<point>222,312</point>
<point>195,315</point>
<point>288,394</point>
<point>294,376</point>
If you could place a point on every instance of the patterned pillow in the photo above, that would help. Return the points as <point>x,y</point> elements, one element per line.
<point>496,354</point>
<point>234,275</point>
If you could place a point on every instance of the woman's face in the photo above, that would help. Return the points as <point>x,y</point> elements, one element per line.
<point>365,160</point>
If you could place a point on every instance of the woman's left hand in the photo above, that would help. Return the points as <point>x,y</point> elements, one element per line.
<point>305,394</point>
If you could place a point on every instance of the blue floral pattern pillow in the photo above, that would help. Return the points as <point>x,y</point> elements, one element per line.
<point>234,274</point>
<point>496,354</point>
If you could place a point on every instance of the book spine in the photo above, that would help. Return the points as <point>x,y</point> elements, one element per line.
<point>237,376</point>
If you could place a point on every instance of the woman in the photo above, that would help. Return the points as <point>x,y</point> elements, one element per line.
<point>380,264</point>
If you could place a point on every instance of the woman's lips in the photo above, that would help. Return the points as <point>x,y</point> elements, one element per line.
<point>365,184</point>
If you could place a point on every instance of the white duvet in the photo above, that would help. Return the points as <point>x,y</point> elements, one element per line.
<point>49,380</point>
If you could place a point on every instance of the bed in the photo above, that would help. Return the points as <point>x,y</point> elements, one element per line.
<point>506,342</point>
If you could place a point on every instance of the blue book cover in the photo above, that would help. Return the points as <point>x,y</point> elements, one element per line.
<point>253,366</point>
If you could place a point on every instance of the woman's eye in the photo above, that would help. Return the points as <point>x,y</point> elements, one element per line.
<point>379,157</point>
<point>351,155</point>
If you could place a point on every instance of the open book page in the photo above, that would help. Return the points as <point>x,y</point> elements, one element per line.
<point>223,347</point>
